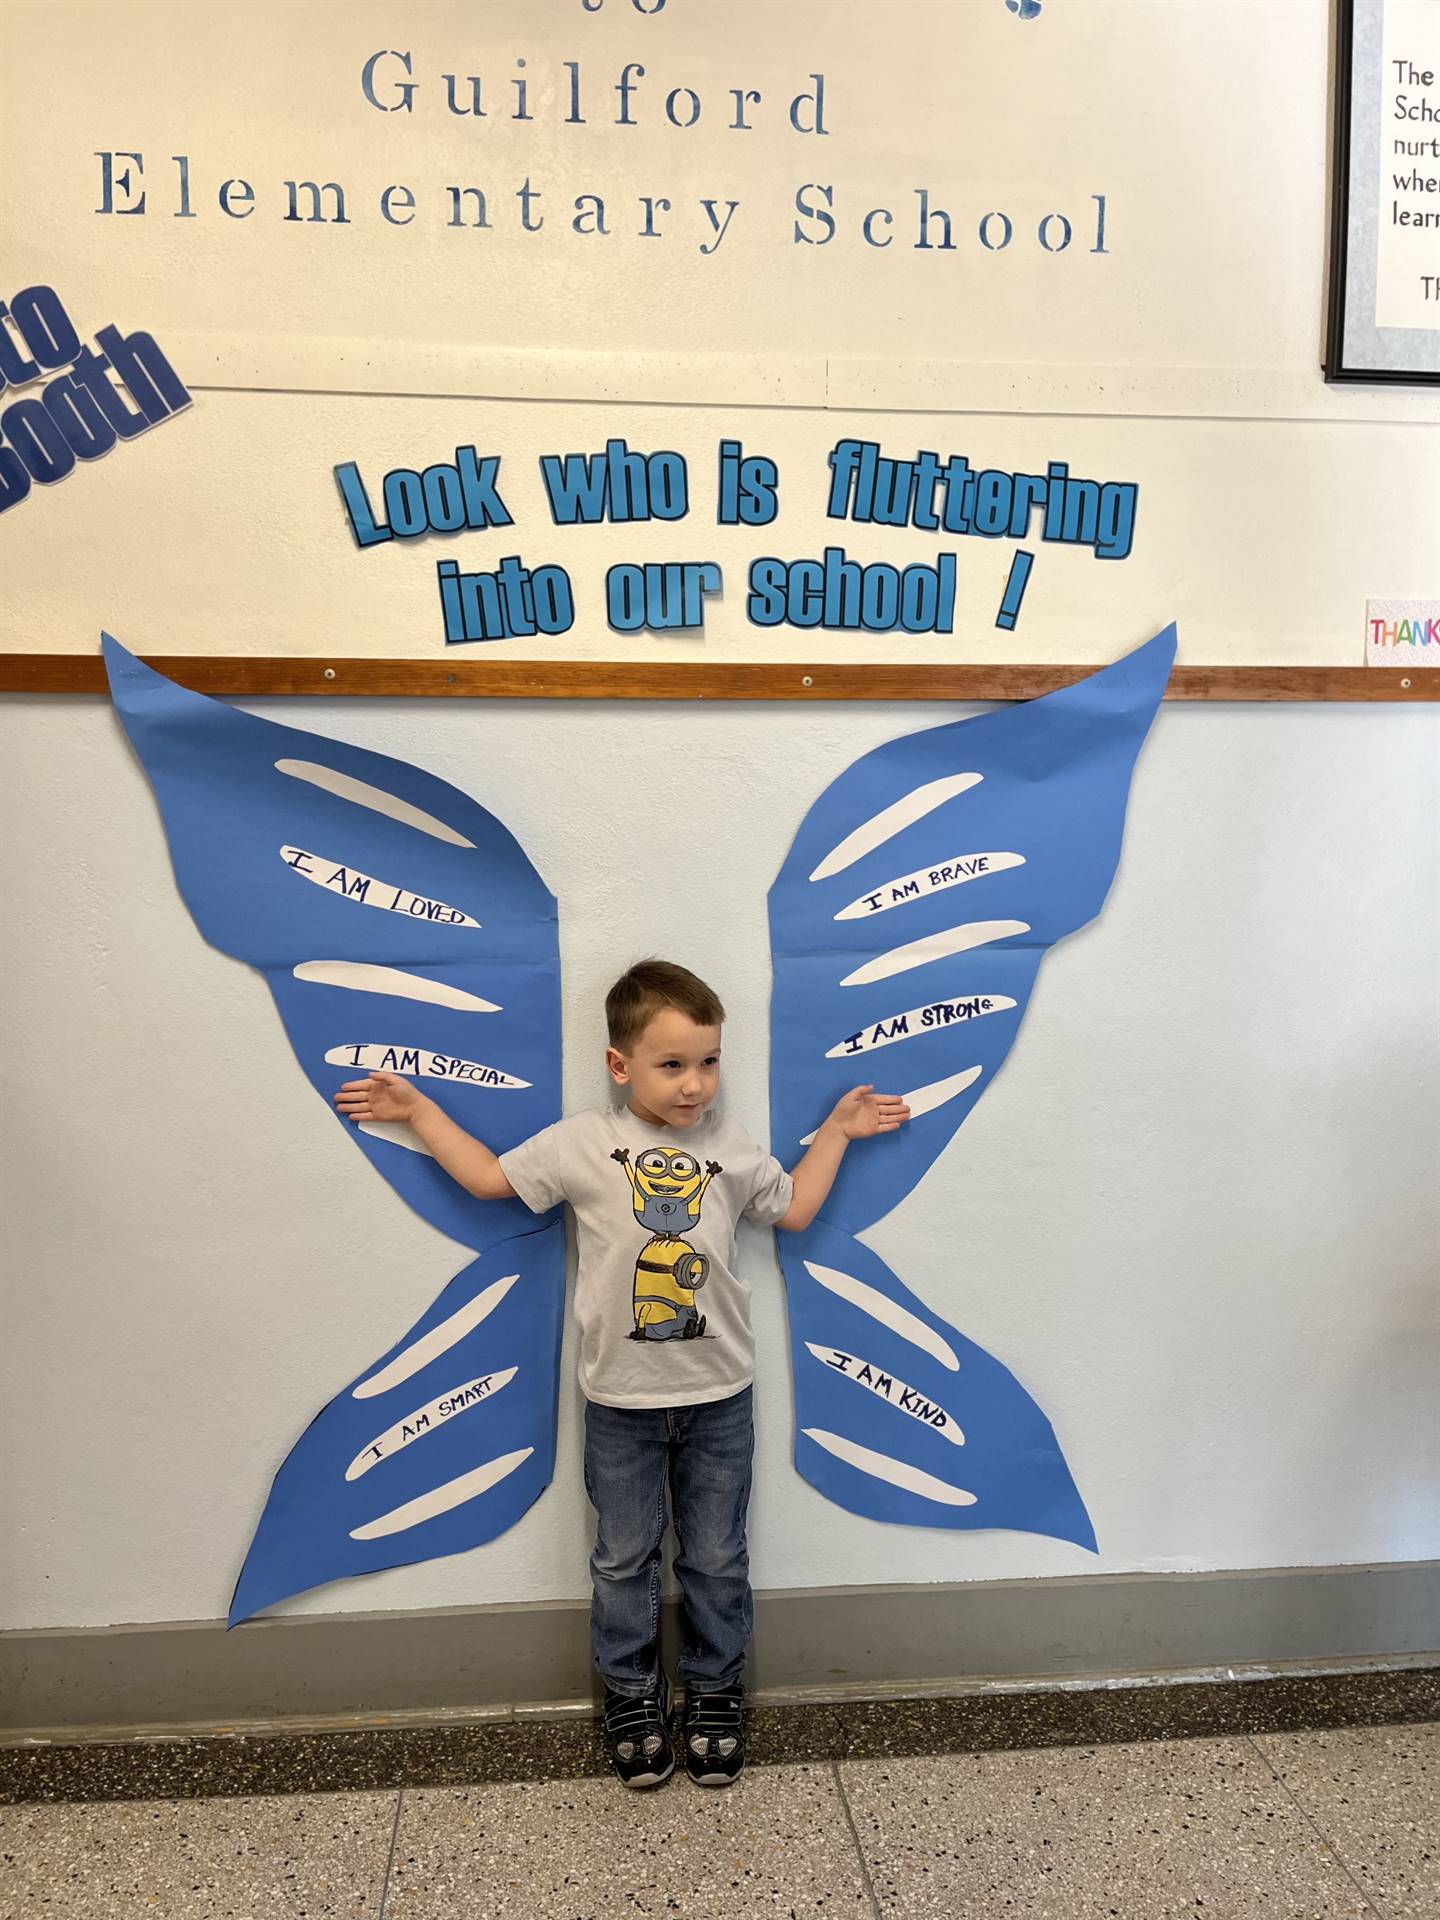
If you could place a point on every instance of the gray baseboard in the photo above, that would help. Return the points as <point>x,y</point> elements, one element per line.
<point>458,1659</point>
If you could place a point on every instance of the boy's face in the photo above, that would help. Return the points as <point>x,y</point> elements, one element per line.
<point>672,1070</point>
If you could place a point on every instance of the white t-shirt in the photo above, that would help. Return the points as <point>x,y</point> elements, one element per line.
<point>664,1317</point>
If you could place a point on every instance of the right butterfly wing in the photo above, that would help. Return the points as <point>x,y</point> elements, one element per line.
<point>908,922</point>
<point>900,1417</point>
<point>921,893</point>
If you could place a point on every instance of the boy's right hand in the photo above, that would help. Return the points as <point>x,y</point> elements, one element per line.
<point>384,1096</point>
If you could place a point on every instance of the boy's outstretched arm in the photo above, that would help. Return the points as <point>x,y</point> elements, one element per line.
<point>856,1116</point>
<point>385,1096</point>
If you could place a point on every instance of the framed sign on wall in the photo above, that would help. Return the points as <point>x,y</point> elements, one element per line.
<point>1385,199</point>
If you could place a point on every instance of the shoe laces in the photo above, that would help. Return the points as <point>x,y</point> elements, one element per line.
<point>712,1723</point>
<point>635,1725</point>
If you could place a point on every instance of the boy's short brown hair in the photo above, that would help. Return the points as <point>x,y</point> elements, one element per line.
<point>646,989</point>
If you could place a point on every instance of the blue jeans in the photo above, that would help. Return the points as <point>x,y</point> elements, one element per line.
<point>703,1454</point>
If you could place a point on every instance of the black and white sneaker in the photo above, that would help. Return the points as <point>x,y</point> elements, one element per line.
<point>637,1736</point>
<point>714,1736</point>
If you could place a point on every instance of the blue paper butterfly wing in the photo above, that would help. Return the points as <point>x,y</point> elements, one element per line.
<point>401,927</point>
<point>907,926</point>
<point>900,1417</point>
<point>434,1449</point>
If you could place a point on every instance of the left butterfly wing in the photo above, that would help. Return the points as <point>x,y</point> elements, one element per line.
<point>400,927</point>
<point>398,924</point>
<point>439,1446</point>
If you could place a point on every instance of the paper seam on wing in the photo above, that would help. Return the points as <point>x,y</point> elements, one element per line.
<point>357,885</point>
<point>395,1439</point>
<point>438,1340</point>
<point>933,946</point>
<point>901,813</point>
<point>881,1466</point>
<point>921,1100</point>
<point>364,976</point>
<point>442,1499</point>
<point>975,1005</point>
<point>382,1056</point>
<point>395,1133</point>
<point>361,793</point>
<point>860,909</point>
<point>949,1429</point>
<point>888,1312</point>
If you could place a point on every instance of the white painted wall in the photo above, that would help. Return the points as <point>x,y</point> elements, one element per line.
<point>1197,1215</point>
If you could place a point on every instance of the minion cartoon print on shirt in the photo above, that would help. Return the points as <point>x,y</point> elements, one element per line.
<point>666,1188</point>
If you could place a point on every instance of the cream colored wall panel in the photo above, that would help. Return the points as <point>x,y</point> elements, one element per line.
<point>1198,126</point>
<point>1201,393</point>
<point>297,363</point>
<point>1095,236</point>
<point>226,534</point>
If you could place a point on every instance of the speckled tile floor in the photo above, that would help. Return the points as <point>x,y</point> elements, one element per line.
<point>256,1859</point>
<point>1341,1823</point>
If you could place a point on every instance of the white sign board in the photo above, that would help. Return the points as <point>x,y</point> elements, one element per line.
<point>936,332</point>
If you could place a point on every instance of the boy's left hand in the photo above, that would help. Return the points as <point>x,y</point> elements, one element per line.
<point>862,1112</point>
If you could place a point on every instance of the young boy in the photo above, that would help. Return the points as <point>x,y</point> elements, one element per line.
<point>666,1351</point>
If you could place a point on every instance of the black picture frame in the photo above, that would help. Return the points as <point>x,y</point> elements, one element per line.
<point>1356,349</point>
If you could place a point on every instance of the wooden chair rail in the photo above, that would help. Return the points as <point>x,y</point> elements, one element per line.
<point>470,679</point>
